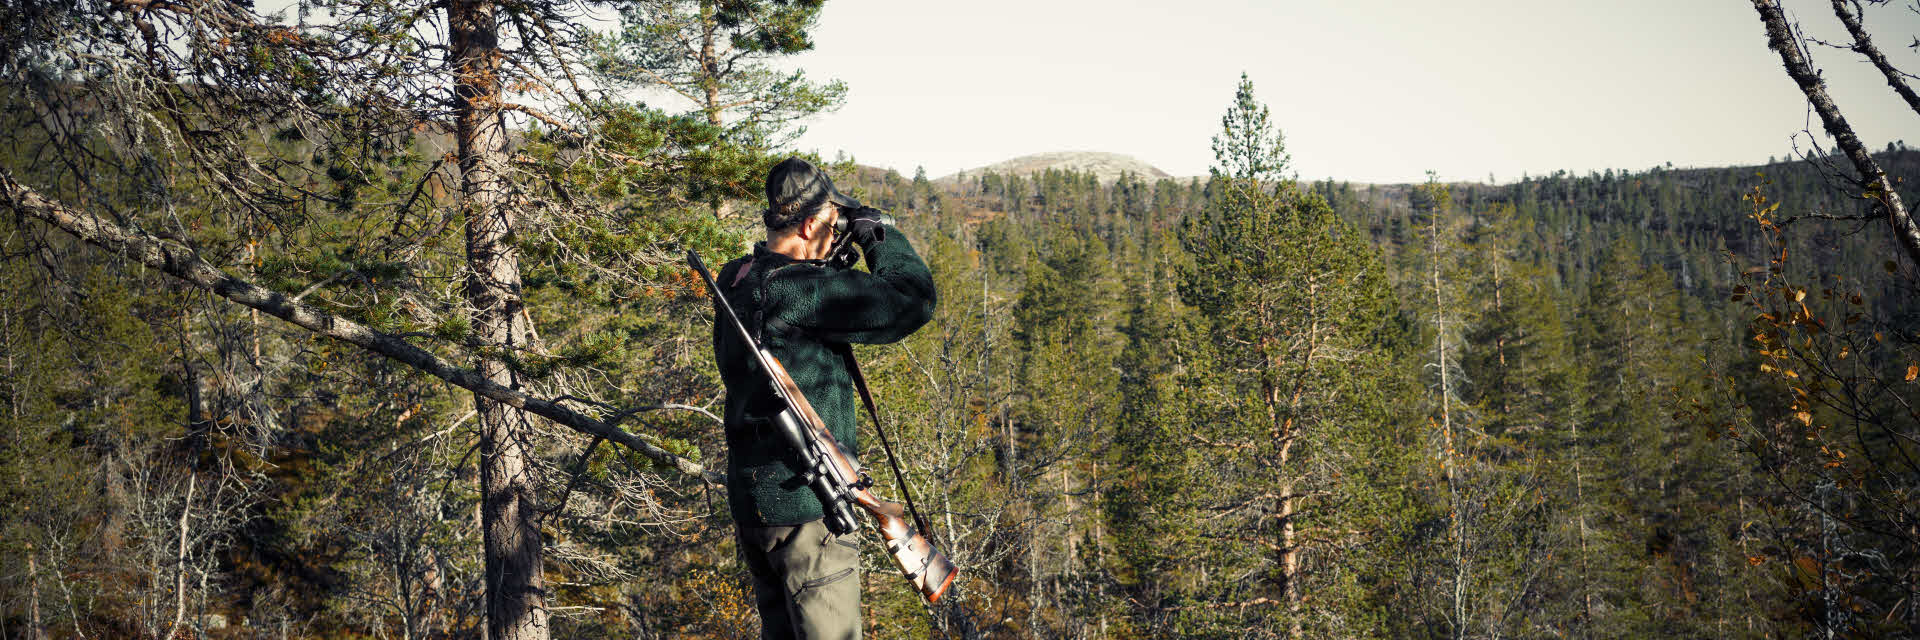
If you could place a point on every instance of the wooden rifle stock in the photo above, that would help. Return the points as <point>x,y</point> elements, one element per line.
<point>838,477</point>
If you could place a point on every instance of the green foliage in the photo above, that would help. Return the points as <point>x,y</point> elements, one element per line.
<point>1248,147</point>
<point>1199,409</point>
<point>1290,303</point>
<point>719,57</point>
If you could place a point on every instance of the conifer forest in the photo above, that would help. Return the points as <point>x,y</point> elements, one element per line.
<point>372,320</point>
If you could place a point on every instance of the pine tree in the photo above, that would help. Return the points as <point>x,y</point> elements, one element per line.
<point>1286,387</point>
<point>721,57</point>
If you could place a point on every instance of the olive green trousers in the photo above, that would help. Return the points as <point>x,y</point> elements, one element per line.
<point>806,581</point>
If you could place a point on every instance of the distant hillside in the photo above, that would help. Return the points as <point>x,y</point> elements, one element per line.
<point>1684,220</point>
<point>1107,167</point>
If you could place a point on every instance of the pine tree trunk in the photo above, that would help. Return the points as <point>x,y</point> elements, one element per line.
<point>515,589</point>
<point>710,90</point>
<point>1286,432</point>
<point>1289,554</point>
<point>709,66</point>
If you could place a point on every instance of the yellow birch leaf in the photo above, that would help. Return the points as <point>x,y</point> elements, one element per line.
<point>1805,418</point>
<point>1913,371</point>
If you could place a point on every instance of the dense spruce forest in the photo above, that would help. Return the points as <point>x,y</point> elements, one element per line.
<point>287,356</point>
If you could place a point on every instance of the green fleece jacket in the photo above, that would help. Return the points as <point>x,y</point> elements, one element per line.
<point>806,312</point>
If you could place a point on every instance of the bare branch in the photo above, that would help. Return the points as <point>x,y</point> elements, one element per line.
<point>1863,45</point>
<point>1781,39</point>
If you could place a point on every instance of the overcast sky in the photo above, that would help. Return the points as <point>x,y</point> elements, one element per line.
<point>1367,91</point>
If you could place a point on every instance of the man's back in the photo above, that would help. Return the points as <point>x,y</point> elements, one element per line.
<point>805,313</point>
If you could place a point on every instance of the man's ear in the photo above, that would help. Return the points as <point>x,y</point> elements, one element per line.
<point>806,228</point>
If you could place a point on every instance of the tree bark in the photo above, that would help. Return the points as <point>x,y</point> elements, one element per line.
<point>1879,189</point>
<point>516,588</point>
<point>1863,45</point>
<point>34,630</point>
<point>180,563</point>
<point>1454,512</point>
<point>709,66</point>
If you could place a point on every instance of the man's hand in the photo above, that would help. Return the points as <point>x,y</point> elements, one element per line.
<point>864,225</point>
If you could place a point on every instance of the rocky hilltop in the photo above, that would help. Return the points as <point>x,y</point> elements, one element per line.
<point>1105,166</point>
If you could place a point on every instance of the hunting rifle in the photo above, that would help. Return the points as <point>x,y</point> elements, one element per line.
<point>836,479</point>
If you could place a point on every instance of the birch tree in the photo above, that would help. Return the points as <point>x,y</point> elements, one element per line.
<point>1873,184</point>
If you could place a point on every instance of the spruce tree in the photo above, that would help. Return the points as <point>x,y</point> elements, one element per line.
<point>1150,505</point>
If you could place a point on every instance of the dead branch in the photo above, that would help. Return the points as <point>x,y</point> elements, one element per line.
<point>182,263</point>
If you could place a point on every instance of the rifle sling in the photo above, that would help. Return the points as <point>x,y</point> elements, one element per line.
<point>860,384</point>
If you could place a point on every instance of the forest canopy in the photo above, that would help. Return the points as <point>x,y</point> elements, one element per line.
<point>370,321</point>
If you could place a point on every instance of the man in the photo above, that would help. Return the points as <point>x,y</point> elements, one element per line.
<point>805,309</point>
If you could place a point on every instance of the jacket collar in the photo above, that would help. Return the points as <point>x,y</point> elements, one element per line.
<point>772,259</point>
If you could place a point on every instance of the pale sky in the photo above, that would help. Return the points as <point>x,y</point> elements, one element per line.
<point>1369,91</point>
<point>1364,90</point>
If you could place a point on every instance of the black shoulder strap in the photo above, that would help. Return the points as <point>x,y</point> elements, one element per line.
<point>860,384</point>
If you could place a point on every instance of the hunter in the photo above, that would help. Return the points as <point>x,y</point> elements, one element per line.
<point>798,291</point>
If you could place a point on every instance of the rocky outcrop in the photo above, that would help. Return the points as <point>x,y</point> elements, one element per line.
<point>1107,167</point>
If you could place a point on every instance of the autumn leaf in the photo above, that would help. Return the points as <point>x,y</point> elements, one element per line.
<point>1807,565</point>
<point>1913,371</point>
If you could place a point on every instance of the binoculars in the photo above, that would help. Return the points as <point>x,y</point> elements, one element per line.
<point>842,223</point>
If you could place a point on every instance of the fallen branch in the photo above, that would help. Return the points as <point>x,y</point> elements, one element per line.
<point>182,263</point>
